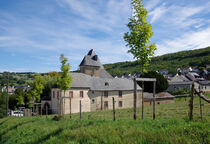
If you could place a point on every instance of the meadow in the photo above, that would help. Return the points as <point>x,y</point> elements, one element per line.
<point>172,125</point>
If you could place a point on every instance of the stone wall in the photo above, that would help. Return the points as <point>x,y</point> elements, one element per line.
<point>93,100</point>
<point>90,70</point>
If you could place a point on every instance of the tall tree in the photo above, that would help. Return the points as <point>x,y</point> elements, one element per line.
<point>140,33</point>
<point>138,39</point>
<point>65,79</point>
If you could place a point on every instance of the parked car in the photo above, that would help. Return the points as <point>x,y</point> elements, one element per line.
<point>17,113</point>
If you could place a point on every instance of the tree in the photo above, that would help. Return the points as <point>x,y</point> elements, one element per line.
<point>37,89</point>
<point>65,79</point>
<point>161,83</point>
<point>140,33</point>
<point>3,108</point>
<point>49,81</point>
<point>138,39</point>
<point>19,94</point>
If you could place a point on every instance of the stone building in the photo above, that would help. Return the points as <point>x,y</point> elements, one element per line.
<point>160,98</point>
<point>95,87</point>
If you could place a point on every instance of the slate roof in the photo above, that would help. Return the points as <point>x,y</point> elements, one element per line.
<point>181,83</point>
<point>81,80</point>
<point>160,95</point>
<point>204,82</point>
<point>91,59</point>
<point>179,78</point>
<point>104,74</point>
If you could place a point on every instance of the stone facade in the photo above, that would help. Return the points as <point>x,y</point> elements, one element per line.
<point>90,70</point>
<point>93,100</point>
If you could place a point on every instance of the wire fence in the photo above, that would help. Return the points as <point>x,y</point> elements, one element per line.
<point>178,108</point>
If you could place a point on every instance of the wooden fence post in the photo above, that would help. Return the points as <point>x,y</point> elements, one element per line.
<point>154,88</point>
<point>142,112</point>
<point>41,109</point>
<point>191,102</point>
<point>113,108</point>
<point>200,104</point>
<point>46,108</point>
<point>134,99</point>
<point>70,106</point>
<point>80,109</point>
<point>37,110</point>
<point>201,108</point>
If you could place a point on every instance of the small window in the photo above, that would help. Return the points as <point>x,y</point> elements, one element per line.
<point>58,94</point>
<point>120,103</point>
<point>120,94</point>
<point>53,94</point>
<point>106,105</point>
<point>81,94</point>
<point>106,84</point>
<point>92,101</point>
<point>71,94</point>
<point>106,94</point>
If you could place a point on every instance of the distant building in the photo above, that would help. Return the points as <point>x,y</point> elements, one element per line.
<point>179,85</point>
<point>192,76</point>
<point>163,71</point>
<point>95,87</point>
<point>11,89</point>
<point>160,98</point>
<point>179,78</point>
<point>205,86</point>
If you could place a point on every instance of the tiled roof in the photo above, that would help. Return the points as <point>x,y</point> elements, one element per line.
<point>81,80</point>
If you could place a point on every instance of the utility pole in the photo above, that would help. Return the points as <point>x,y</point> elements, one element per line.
<point>7,94</point>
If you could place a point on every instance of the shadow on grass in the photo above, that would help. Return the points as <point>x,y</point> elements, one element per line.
<point>12,128</point>
<point>54,133</point>
<point>58,131</point>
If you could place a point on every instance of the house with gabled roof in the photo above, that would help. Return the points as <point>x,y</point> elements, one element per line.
<point>95,87</point>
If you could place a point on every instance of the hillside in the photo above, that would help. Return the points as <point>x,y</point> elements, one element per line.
<point>171,126</point>
<point>193,58</point>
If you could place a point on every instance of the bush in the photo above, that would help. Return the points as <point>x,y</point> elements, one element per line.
<point>161,84</point>
<point>181,91</point>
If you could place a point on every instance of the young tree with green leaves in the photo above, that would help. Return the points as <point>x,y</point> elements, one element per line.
<point>65,79</point>
<point>140,31</point>
<point>37,88</point>
<point>19,94</point>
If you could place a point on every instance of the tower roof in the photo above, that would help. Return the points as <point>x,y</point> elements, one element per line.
<point>91,59</point>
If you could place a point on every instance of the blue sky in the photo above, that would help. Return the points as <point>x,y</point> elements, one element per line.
<point>33,33</point>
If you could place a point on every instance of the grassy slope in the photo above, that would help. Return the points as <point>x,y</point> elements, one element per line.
<point>171,126</point>
<point>171,61</point>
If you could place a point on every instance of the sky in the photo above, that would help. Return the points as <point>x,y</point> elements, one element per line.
<point>33,33</point>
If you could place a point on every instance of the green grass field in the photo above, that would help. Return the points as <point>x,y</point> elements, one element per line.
<point>171,126</point>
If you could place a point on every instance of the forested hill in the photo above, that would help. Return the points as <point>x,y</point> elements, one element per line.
<point>172,61</point>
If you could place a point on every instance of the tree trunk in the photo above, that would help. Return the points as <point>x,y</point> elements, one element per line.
<point>134,99</point>
<point>64,103</point>
<point>142,113</point>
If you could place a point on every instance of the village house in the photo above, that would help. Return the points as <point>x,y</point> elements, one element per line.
<point>160,98</point>
<point>205,86</point>
<point>95,87</point>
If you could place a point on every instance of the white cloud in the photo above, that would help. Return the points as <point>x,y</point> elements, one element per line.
<point>188,41</point>
<point>150,4</point>
<point>157,13</point>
